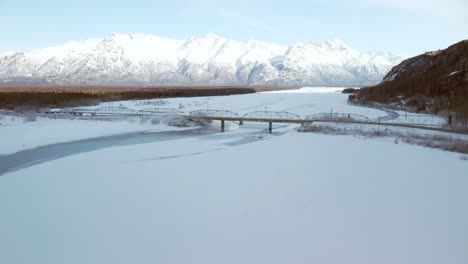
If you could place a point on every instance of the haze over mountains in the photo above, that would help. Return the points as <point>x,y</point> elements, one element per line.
<point>142,59</point>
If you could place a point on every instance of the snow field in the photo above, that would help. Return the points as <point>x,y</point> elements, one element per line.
<point>294,197</point>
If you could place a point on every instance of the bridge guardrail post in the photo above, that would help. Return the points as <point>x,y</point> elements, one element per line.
<point>378,129</point>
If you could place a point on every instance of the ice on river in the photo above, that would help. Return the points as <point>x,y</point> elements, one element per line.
<point>22,134</point>
<point>243,196</point>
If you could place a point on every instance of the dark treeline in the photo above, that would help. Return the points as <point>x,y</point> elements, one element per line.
<point>50,97</point>
<point>433,83</point>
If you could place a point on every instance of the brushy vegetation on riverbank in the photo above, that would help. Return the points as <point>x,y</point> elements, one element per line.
<point>447,142</point>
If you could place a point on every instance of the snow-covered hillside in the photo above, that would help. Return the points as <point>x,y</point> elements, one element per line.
<point>138,58</point>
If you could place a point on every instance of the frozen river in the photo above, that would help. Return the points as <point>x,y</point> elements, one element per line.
<point>31,157</point>
<point>104,192</point>
<point>23,135</point>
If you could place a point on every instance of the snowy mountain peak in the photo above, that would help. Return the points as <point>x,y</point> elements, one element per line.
<point>210,59</point>
<point>69,49</point>
<point>336,44</point>
<point>206,39</point>
<point>252,43</point>
<point>211,35</point>
<point>326,45</point>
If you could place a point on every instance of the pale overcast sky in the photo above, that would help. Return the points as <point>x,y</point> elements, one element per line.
<point>402,26</point>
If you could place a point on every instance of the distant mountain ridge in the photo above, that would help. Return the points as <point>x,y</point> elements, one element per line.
<point>143,59</point>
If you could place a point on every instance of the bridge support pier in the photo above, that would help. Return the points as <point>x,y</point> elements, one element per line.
<point>241,122</point>
<point>222,125</point>
<point>270,127</point>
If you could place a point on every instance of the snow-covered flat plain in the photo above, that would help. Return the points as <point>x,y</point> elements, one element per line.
<point>243,196</point>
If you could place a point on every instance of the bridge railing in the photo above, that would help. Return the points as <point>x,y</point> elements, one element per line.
<point>272,115</point>
<point>83,110</point>
<point>112,110</point>
<point>338,117</point>
<point>418,120</point>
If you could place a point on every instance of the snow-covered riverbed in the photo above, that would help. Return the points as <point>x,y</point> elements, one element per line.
<point>18,133</point>
<point>243,196</point>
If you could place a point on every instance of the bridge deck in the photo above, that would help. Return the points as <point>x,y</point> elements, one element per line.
<point>250,119</point>
<point>306,121</point>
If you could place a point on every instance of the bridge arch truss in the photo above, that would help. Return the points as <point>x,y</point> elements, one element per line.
<point>213,113</point>
<point>272,115</point>
<point>338,117</point>
<point>160,111</point>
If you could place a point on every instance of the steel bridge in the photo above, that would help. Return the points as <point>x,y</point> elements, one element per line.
<point>116,111</point>
<point>270,117</point>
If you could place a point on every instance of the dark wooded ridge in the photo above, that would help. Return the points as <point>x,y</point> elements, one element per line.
<point>434,82</point>
<point>15,97</point>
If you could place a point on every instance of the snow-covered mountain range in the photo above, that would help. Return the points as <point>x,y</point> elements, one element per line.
<point>143,59</point>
